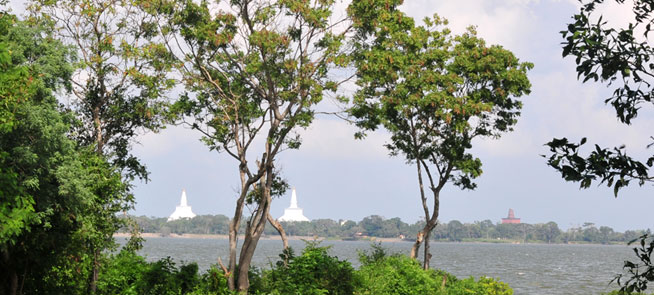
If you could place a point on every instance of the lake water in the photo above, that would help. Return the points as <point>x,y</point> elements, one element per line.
<point>527,268</point>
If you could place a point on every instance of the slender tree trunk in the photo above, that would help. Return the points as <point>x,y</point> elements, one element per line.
<point>427,257</point>
<point>13,282</point>
<point>423,198</point>
<point>247,252</point>
<point>280,229</point>
<point>12,276</point>
<point>254,231</point>
<point>253,234</point>
<point>416,245</point>
<point>432,222</point>
<point>94,273</point>
<point>234,225</point>
<point>99,140</point>
<point>424,236</point>
<point>233,242</point>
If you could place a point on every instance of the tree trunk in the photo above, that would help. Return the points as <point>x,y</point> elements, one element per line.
<point>253,234</point>
<point>423,198</point>
<point>247,252</point>
<point>233,242</point>
<point>234,225</point>
<point>424,236</point>
<point>99,139</point>
<point>12,285</point>
<point>427,257</point>
<point>254,231</point>
<point>280,229</point>
<point>416,246</point>
<point>13,282</point>
<point>94,274</point>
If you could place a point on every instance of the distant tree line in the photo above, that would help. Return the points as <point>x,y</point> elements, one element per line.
<point>380,227</point>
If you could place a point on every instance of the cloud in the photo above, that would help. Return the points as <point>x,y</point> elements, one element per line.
<point>334,139</point>
<point>171,139</point>
<point>508,23</point>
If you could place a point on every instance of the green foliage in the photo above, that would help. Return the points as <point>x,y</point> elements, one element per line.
<point>312,273</point>
<point>621,58</point>
<point>58,200</point>
<point>638,274</point>
<point>435,92</point>
<point>128,274</point>
<point>396,274</point>
<point>484,285</point>
<point>120,77</point>
<point>213,282</point>
<point>254,73</point>
<point>120,274</point>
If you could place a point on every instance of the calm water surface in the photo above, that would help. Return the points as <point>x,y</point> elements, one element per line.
<point>527,268</point>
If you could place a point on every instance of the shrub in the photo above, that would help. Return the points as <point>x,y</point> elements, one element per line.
<point>120,274</point>
<point>397,275</point>
<point>312,273</point>
<point>128,274</point>
<point>381,274</point>
<point>212,282</point>
<point>485,286</point>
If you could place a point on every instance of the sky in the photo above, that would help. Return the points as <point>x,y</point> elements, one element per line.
<point>338,177</point>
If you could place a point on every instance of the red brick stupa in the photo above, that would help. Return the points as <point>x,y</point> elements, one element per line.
<point>511,218</point>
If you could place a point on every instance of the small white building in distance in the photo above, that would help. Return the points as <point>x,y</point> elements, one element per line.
<point>183,210</point>
<point>293,213</point>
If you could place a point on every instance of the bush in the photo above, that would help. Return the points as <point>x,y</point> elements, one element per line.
<point>312,273</point>
<point>381,274</point>
<point>128,274</point>
<point>485,286</point>
<point>120,274</point>
<point>212,282</point>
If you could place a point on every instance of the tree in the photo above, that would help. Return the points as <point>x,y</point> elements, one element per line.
<point>455,231</point>
<point>621,58</point>
<point>551,231</point>
<point>118,85</point>
<point>254,71</point>
<point>49,186</point>
<point>607,234</point>
<point>372,225</point>
<point>434,93</point>
<point>121,78</point>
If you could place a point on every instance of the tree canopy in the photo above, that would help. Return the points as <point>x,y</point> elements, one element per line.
<point>435,93</point>
<point>254,72</point>
<point>57,198</point>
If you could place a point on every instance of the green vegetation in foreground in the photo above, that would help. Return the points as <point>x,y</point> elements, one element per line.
<point>312,272</point>
<point>375,226</point>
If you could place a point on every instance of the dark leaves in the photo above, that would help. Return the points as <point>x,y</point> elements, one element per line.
<point>610,166</point>
<point>621,58</point>
<point>638,274</point>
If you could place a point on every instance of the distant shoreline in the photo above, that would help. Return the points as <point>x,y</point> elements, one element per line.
<point>264,237</point>
<point>369,239</point>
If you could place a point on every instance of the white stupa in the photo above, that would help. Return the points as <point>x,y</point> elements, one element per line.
<point>293,213</point>
<point>183,210</point>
